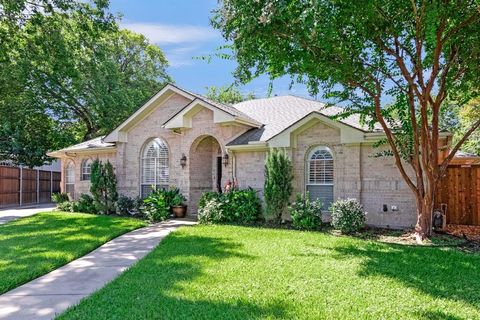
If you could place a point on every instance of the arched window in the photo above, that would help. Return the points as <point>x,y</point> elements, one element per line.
<point>86,169</point>
<point>70,179</point>
<point>320,175</point>
<point>154,166</point>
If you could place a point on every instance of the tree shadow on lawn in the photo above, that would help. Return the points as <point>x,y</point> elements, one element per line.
<point>440,273</point>
<point>172,283</point>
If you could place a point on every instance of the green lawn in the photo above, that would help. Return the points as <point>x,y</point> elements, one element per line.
<point>227,272</point>
<point>36,245</point>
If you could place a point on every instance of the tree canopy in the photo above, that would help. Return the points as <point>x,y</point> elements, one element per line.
<point>70,74</point>
<point>228,95</point>
<point>394,62</point>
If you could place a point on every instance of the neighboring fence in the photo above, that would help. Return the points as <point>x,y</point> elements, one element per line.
<point>21,186</point>
<point>460,191</point>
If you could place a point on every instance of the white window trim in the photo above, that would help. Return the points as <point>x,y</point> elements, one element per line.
<point>70,172</point>
<point>307,164</point>
<point>156,164</point>
<point>83,171</point>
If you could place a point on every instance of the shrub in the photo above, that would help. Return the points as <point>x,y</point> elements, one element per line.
<point>178,200</point>
<point>103,187</point>
<point>212,211</point>
<point>155,206</point>
<point>306,214</point>
<point>237,206</point>
<point>207,196</point>
<point>170,194</point>
<point>129,206</point>
<point>278,183</point>
<point>242,206</point>
<point>65,206</point>
<point>60,197</point>
<point>347,215</point>
<point>84,204</point>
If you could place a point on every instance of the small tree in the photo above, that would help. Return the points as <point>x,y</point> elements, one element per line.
<point>103,187</point>
<point>278,183</point>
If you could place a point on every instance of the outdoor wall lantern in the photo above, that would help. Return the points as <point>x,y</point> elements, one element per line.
<point>225,159</point>
<point>183,160</point>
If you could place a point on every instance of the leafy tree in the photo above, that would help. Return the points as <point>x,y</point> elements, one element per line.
<point>278,183</point>
<point>467,116</point>
<point>103,187</point>
<point>228,95</point>
<point>415,54</point>
<point>69,62</point>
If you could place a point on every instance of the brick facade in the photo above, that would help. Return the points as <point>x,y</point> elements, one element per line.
<point>374,181</point>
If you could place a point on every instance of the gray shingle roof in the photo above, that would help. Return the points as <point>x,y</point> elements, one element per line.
<point>279,113</point>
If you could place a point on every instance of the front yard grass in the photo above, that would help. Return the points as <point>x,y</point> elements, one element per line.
<point>231,272</point>
<point>33,246</point>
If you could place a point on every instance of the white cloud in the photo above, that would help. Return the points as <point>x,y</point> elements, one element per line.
<point>172,34</point>
<point>181,56</point>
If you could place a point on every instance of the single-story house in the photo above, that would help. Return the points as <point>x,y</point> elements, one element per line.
<point>186,140</point>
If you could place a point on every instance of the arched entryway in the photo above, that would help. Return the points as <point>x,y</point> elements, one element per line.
<point>206,169</point>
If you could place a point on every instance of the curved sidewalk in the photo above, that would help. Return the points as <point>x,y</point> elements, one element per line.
<point>51,294</point>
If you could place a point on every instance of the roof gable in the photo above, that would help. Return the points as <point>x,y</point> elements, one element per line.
<point>280,114</point>
<point>222,110</point>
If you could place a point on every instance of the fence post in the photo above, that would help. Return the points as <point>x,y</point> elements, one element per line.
<point>38,186</point>
<point>20,200</point>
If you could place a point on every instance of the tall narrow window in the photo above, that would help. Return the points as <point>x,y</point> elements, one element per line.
<point>320,175</point>
<point>154,166</point>
<point>70,179</point>
<point>86,169</point>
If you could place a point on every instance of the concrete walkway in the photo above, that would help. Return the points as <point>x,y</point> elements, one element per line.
<point>10,214</point>
<point>49,295</point>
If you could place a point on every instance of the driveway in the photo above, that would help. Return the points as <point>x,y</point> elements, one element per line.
<point>10,214</point>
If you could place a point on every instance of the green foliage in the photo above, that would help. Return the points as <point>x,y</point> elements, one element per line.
<point>347,215</point>
<point>237,206</point>
<point>66,206</point>
<point>67,74</point>
<point>84,204</point>
<point>212,212</point>
<point>129,206</point>
<point>467,115</point>
<point>60,197</point>
<point>305,213</point>
<point>227,95</point>
<point>207,196</point>
<point>156,206</point>
<point>278,183</point>
<point>178,200</point>
<point>103,187</point>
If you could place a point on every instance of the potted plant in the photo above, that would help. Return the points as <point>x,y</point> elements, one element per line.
<point>179,208</point>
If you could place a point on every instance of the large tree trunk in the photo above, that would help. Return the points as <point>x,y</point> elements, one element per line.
<point>423,228</point>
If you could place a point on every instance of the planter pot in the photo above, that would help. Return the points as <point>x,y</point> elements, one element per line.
<point>179,211</point>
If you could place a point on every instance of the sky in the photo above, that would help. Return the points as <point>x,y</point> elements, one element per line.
<point>182,30</point>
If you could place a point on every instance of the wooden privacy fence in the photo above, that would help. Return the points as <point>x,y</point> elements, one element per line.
<point>20,186</point>
<point>459,190</point>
